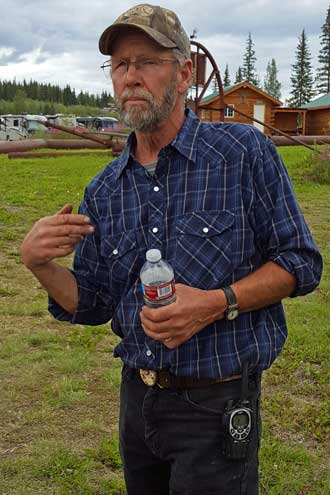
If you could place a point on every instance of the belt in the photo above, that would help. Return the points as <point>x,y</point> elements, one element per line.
<point>165,379</point>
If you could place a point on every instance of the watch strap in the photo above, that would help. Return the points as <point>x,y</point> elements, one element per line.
<point>230,296</point>
<point>232,310</point>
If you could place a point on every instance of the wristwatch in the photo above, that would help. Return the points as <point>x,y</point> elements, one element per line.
<point>232,310</point>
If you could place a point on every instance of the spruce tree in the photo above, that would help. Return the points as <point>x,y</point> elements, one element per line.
<point>239,75</point>
<point>323,71</point>
<point>226,78</point>
<point>302,76</point>
<point>215,87</point>
<point>249,61</point>
<point>272,85</point>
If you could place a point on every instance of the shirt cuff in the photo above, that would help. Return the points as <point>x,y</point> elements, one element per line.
<point>307,274</point>
<point>90,310</point>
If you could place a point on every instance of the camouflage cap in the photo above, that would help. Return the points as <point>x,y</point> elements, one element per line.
<point>161,24</point>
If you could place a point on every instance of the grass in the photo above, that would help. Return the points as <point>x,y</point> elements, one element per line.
<point>60,383</point>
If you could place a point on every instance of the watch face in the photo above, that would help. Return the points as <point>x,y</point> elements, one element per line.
<point>232,314</point>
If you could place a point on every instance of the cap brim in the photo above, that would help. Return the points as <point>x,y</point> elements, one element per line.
<point>111,33</point>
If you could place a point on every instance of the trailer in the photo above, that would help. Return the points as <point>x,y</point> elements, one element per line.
<point>13,127</point>
<point>100,124</point>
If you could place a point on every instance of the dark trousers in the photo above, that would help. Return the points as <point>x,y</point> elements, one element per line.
<point>170,440</point>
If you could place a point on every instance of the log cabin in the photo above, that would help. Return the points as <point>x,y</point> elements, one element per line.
<point>311,119</point>
<point>245,97</point>
<point>318,116</point>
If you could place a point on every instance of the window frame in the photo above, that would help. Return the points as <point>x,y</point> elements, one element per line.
<point>232,106</point>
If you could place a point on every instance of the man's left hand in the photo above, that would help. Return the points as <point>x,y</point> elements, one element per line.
<point>192,311</point>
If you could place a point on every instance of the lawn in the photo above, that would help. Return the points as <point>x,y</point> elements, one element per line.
<point>59,383</point>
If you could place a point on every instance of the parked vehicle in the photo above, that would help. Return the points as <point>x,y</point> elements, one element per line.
<point>32,123</point>
<point>100,124</point>
<point>13,127</point>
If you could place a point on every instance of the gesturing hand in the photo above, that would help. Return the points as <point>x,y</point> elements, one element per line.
<point>54,237</point>
<point>192,311</point>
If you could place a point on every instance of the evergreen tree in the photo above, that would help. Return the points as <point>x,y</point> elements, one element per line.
<point>272,85</point>
<point>226,79</point>
<point>215,87</point>
<point>301,76</point>
<point>45,94</point>
<point>249,63</point>
<point>323,71</point>
<point>239,75</point>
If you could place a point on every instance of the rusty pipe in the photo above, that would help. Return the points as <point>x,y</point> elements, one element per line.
<point>63,128</point>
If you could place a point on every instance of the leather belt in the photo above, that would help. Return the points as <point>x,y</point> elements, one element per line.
<point>165,379</point>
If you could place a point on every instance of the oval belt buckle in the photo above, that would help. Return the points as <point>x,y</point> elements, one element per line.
<point>149,377</point>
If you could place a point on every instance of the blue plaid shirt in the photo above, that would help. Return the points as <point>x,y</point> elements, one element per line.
<point>219,205</point>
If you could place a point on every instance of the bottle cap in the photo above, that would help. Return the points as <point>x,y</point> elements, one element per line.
<point>153,255</point>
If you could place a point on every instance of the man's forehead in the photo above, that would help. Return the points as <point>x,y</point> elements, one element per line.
<point>134,38</point>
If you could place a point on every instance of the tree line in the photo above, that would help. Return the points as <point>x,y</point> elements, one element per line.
<point>304,86</point>
<point>34,97</point>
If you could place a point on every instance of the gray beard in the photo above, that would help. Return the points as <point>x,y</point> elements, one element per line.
<point>149,119</point>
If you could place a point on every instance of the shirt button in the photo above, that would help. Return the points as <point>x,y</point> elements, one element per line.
<point>115,251</point>
<point>156,188</point>
<point>148,352</point>
<point>155,230</point>
<point>205,230</point>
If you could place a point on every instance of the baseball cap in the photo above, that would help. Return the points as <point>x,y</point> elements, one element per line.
<point>161,24</point>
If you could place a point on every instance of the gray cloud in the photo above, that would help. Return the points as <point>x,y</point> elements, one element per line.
<point>59,40</point>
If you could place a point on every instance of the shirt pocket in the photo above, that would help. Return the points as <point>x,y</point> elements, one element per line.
<point>204,248</point>
<point>122,257</point>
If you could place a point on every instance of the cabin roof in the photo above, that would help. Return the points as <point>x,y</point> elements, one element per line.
<point>230,89</point>
<point>322,101</point>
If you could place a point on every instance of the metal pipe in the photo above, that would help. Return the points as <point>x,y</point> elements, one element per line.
<point>296,140</point>
<point>28,154</point>
<point>31,144</point>
<point>69,130</point>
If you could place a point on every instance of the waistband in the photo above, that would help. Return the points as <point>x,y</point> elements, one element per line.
<point>165,379</point>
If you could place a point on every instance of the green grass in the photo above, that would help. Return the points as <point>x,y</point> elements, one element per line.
<point>60,383</point>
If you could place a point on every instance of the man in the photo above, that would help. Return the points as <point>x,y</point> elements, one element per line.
<point>218,203</point>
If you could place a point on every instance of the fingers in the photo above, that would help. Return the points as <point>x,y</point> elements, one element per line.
<point>65,209</point>
<point>159,315</point>
<point>72,230</point>
<point>54,236</point>
<point>63,241</point>
<point>154,325</point>
<point>70,219</point>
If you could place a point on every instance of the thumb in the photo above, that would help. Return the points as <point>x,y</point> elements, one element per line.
<point>65,209</point>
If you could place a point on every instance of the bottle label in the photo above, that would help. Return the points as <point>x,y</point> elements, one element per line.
<point>159,292</point>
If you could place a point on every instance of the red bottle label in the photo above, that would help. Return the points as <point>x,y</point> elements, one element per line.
<point>159,292</point>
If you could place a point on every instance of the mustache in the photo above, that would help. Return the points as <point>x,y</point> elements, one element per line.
<point>137,93</point>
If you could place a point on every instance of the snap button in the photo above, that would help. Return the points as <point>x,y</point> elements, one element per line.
<point>156,188</point>
<point>148,352</point>
<point>115,251</point>
<point>155,230</point>
<point>205,230</point>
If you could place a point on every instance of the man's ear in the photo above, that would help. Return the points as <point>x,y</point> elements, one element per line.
<point>184,76</point>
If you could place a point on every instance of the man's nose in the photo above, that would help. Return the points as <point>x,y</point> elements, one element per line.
<point>132,75</point>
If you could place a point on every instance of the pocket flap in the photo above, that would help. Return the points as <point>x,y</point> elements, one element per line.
<point>205,223</point>
<point>119,244</point>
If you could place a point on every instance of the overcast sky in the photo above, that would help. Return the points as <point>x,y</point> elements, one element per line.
<point>57,41</point>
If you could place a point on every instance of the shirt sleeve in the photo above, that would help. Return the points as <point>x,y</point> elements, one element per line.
<point>95,304</point>
<point>283,235</point>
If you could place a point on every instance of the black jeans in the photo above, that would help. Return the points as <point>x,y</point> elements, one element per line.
<point>170,440</point>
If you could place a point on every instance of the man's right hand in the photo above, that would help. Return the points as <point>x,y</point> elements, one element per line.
<point>54,237</point>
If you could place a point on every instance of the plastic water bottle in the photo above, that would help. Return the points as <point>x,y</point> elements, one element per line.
<point>157,280</point>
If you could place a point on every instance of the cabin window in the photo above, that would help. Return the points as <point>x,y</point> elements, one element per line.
<point>229,111</point>
<point>16,124</point>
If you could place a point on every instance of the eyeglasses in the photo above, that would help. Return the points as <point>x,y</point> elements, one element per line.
<point>146,66</point>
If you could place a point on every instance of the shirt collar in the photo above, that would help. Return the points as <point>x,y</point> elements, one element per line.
<point>185,141</point>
